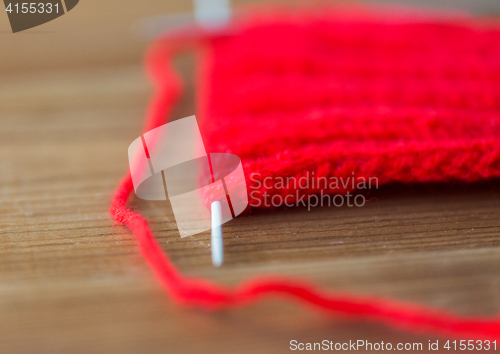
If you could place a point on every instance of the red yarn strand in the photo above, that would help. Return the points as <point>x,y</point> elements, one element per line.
<point>208,295</point>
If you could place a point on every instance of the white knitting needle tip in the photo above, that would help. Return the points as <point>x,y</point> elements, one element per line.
<point>216,242</point>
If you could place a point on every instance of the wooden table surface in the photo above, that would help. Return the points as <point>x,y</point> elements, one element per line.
<point>71,280</point>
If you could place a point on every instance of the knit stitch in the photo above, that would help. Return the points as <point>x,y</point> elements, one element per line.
<point>412,101</point>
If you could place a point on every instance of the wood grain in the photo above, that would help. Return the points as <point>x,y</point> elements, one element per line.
<point>71,280</point>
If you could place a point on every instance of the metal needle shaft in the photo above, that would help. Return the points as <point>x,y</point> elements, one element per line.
<point>216,242</point>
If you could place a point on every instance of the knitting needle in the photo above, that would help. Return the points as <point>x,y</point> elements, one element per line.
<point>216,241</point>
<point>214,15</point>
<point>210,15</point>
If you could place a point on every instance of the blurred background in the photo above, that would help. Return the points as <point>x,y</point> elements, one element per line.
<point>72,98</point>
<point>100,33</point>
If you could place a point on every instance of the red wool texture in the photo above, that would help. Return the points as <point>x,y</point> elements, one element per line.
<point>404,101</point>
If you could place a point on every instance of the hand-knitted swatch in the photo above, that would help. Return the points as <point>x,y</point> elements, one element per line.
<point>311,95</point>
<point>414,100</point>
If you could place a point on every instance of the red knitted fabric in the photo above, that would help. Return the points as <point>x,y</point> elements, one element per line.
<point>403,102</point>
<point>288,93</point>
